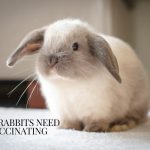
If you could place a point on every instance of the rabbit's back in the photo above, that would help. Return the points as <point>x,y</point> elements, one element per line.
<point>134,78</point>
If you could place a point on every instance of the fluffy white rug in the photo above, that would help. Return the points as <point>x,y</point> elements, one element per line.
<point>137,138</point>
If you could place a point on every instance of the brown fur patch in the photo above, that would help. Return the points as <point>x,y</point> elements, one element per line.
<point>95,126</point>
<point>76,125</point>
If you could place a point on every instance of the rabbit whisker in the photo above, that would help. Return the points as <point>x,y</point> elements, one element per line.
<point>20,84</point>
<point>31,94</point>
<point>25,91</point>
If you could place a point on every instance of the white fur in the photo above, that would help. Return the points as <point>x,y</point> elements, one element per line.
<point>101,96</point>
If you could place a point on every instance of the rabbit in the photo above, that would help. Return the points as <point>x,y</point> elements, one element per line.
<point>90,81</point>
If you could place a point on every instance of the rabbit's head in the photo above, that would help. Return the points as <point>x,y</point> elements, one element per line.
<point>68,48</point>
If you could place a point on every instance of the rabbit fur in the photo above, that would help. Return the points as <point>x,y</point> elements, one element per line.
<point>101,86</point>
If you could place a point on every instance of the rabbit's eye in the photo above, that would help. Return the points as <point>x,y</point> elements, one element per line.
<point>75,46</point>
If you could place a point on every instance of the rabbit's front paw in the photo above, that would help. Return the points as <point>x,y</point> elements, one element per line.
<point>95,126</point>
<point>67,124</point>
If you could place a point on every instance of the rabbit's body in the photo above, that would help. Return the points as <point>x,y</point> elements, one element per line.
<point>90,81</point>
<point>76,100</point>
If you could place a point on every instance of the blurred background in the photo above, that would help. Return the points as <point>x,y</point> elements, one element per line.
<point>126,19</point>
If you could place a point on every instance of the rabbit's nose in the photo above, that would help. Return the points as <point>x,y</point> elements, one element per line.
<point>53,59</point>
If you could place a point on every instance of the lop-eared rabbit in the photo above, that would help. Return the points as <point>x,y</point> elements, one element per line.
<point>90,81</point>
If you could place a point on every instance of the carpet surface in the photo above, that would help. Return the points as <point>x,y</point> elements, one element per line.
<point>59,139</point>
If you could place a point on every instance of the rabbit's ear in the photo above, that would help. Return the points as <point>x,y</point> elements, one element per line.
<point>101,49</point>
<point>29,45</point>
